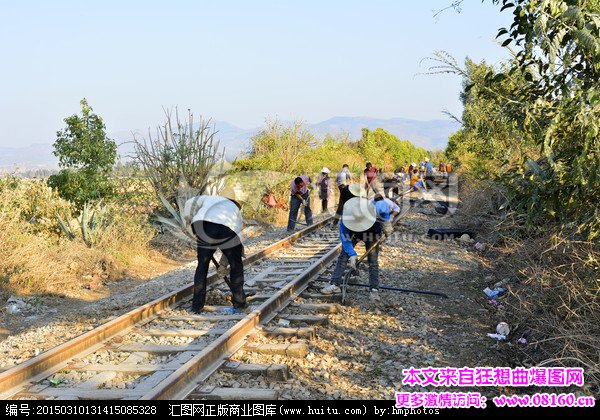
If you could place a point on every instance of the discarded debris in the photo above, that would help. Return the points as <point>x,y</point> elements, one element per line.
<point>498,337</point>
<point>503,329</point>
<point>442,234</point>
<point>522,340</point>
<point>480,247</point>
<point>56,382</point>
<point>231,311</point>
<point>493,294</point>
<point>14,305</point>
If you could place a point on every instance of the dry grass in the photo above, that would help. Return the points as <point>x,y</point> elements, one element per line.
<point>35,257</point>
<point>558,302</point>
<point>554,299</point>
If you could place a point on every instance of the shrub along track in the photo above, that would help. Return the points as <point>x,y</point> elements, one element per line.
<point>136,362</point>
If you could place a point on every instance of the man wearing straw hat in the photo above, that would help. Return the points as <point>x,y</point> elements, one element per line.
<point>217,224</point>
<point>359,223</point>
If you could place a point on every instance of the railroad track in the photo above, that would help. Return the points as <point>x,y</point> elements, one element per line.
<point>161,350</point>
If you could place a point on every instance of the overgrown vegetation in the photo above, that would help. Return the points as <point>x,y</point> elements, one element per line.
<point>280,152</point>
<point>293,150</point>
<point>36,255</point>
<point>531,131</point>
<point>182,156</point>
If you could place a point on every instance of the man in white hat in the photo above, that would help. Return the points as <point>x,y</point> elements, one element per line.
<point>323,182</point>
<point>359,223</point>
<point>217,223</point>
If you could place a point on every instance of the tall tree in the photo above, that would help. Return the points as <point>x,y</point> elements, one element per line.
<point>86,157</point>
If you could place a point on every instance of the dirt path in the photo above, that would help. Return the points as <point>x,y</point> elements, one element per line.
<point>363,351</point>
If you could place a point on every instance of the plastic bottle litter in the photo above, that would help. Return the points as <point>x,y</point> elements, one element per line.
<point>503,329</point>
<point>497,336</point>
<point>494,293</point>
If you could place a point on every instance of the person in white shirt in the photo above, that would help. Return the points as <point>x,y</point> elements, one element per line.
<point>344,178</point>
<point>217,223</point>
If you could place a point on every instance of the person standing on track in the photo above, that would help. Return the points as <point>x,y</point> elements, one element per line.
<point>217,224</point>
<point>361,221</point>
<point>370,174</point>
<point>323,187</point>
<point>299,195</point>
<point>344,178</point>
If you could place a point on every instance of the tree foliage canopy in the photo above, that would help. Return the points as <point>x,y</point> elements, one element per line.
<point>83,143</point>
<point>87,157</point>
<point>293,149</point>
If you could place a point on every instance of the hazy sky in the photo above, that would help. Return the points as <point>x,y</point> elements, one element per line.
<point>234,61</point>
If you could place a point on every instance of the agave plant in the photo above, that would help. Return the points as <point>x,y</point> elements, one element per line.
<point>177,223</point>
<point>90,224</point>
<point>66,227</point>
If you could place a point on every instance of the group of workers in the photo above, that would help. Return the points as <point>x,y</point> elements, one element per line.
<point>216,222</point>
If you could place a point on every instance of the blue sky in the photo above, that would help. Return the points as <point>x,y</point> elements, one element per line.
<point>234,61</point>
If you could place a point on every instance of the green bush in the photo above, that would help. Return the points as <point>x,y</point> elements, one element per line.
<point>87,157</point>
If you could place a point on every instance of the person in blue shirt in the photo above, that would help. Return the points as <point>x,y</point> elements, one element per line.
<point>429,175</point>
<point>387,210</point>
<point>362,220</point>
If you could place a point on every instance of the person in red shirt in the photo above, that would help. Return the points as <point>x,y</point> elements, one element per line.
<point>299,195</point>
<point>371,173</point>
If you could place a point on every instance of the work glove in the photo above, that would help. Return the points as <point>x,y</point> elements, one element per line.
<point>304,202</point>
<point>388,229</point>
<point>352,262</point>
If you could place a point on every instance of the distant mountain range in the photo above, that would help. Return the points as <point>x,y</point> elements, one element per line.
<point>430,135</point>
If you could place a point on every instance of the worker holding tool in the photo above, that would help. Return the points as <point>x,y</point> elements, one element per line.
<point>387,210</point>
<point>217,224</point>
<point>362,220</point>
<point>416,183</point>
<point>299,196</point>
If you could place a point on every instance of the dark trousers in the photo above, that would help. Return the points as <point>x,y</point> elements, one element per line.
<point>372,258</point>
<point>210,237</point>
<point>324,205</point>
<point>345,195</point>
<point>429,181</point>
<point>295,204</point>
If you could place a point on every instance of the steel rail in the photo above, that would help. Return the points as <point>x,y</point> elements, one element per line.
<point>201,366</point>
<point>37,368</point>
